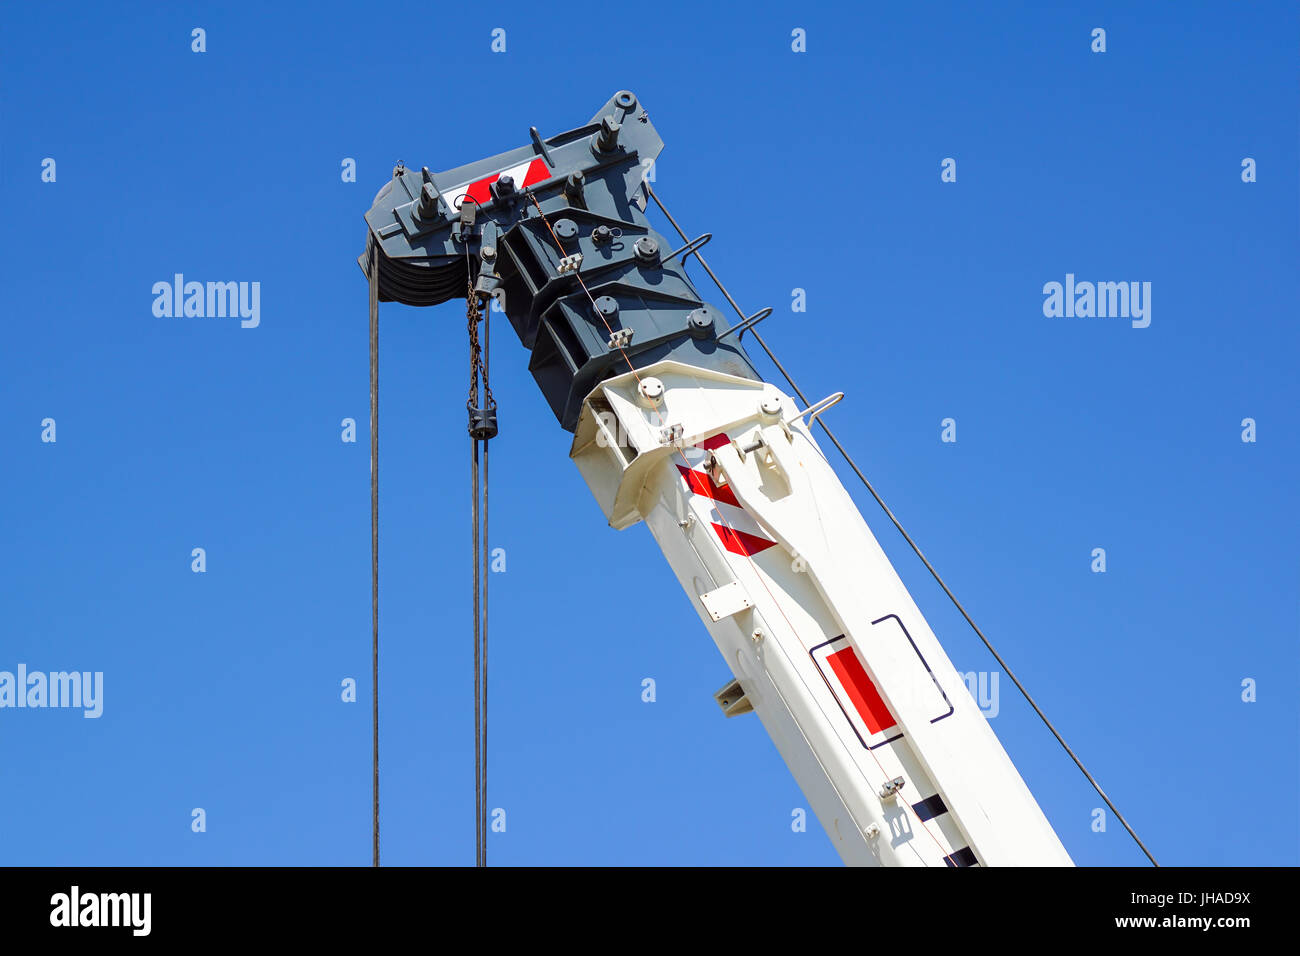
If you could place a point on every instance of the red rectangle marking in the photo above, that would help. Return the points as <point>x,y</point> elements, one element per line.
<point>863,693</point>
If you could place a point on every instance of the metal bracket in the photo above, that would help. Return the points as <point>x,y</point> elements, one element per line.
<point>725,601</point>
<point>463,229</point>
<point>488,280</point>
<point>732,699</point>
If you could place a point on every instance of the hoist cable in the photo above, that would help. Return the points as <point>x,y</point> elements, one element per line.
<point>907,537</point>
<point>478,710</point>
<point>472,323</point>
<point>487,555</point>
<point>374,539</point>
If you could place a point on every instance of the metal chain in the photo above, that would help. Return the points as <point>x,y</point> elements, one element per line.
<point>473,316</point>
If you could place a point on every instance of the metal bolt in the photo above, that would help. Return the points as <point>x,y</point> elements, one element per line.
<point>701,319</point>
<point>646,249</point>
<point>488,253</point>
<point>770,406</point>
<point>652,388</point>
<point>607,306</point>
<point>601,235</point>
<point>505,185</point>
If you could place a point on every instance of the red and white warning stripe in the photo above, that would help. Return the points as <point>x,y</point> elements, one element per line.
<point>739,533</point>
<point>525,174</point>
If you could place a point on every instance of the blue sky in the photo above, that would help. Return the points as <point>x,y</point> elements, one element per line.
<point>817,170</point>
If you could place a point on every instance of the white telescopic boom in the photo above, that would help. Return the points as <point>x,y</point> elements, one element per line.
<point>825,644</point>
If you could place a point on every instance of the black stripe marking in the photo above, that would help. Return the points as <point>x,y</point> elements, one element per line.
<point>962,857</point>
<point>929,808</point>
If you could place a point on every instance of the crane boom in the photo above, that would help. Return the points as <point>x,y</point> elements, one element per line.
<point>673,425</point>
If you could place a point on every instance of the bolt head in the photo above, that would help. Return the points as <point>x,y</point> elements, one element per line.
<point>646,249</point>
<point>489,253</point>
<point>652,388</point>
<point>771,406</point>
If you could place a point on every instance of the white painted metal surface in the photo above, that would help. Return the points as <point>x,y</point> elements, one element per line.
<point>826,643</point>
<point>725,601</point>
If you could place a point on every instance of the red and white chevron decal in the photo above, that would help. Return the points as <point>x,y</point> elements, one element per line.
<point>739,533</point>
<point>525,174</point>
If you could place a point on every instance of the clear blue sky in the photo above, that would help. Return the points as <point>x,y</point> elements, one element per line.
<point>816,170</point>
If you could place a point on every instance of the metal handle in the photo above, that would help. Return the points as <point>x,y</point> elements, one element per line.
<point>747,324</point>
<point>815,410</point>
